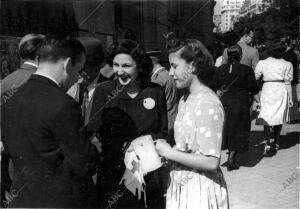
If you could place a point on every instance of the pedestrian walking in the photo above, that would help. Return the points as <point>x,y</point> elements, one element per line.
<point>276,96</point>
<point>235,84</point>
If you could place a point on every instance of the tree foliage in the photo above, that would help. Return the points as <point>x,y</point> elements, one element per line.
<point>280,20</point>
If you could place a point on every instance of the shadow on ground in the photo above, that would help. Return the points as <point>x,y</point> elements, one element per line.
<point>255,152</point>
<point>289,140</point>
<point>256,147</point>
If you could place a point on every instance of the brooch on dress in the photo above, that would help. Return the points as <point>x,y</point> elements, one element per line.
<point>149,103</point>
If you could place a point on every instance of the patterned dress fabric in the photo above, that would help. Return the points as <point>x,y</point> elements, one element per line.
<point>198,129</point>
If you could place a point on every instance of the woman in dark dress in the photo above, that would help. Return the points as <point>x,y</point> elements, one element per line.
<point>122,110</point>
<point>235,84</point>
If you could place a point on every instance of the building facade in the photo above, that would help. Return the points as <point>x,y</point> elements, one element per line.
<point>254,7</point>
<point>217,22</point>
<point>148,20</point>
<point>229,13</point>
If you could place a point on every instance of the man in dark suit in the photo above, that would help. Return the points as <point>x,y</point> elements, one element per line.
<point>42,131</point>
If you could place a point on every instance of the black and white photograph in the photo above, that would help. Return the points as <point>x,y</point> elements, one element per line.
<point>150,104</point>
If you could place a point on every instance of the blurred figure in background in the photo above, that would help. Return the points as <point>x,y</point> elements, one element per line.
<point>28,50</point>
<point>219,56</point>
<point>291,57</point>
<point>250,56</point>
<point>160,75</point>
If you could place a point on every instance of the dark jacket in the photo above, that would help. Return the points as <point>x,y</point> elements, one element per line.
<point>41,130</point>
<point>144,120</point>
<point>291,56</point>
<point>240,84</point>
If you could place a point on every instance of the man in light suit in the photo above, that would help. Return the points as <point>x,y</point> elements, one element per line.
<point>250,56</point>
<point>42,131</point>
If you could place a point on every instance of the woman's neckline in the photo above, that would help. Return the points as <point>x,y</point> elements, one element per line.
<point>133,95</point>
<point>200,90</point>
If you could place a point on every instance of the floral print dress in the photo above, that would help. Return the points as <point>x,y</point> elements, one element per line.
<point>198,129</point>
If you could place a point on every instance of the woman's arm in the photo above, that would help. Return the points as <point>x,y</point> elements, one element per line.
<point>289,90</point>
<point>288,77</point>
<point>195,161</point>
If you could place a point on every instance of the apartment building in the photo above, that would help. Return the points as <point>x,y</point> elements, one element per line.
<point>229,13</point>
<point>254,7</point>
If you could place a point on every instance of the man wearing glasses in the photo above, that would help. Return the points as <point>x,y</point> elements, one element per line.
<point>250,55</point>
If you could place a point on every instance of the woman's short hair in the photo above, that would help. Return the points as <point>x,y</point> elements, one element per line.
<point>138,54</point>
<point>192,50</point>
<point>30,45</point>
<point>234,54</point>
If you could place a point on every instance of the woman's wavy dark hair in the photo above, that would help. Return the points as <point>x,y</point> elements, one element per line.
<point>138,54</point>
<point>192,50</point>
<point>234,54</point>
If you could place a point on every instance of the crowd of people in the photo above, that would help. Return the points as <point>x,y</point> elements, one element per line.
<point>63,143</point>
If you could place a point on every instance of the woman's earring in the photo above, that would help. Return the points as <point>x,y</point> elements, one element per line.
<point>190,69</point>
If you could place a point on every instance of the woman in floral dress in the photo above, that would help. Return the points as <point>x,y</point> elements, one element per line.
<point>196,179</point>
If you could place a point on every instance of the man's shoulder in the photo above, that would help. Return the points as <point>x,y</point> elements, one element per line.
<point>50,95</point>
<point>250,49</point>
<point>15,79</point>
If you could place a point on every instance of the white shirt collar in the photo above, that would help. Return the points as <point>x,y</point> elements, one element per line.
<point>47,76</point>
<point>31,63</point>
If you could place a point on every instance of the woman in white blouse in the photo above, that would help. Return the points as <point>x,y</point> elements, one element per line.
<point>276,96</point>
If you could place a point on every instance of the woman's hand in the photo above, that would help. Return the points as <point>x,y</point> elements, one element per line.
<point>291,104</point>
<point>163,148</point>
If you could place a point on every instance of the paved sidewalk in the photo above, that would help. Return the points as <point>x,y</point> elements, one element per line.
<point>266,183</point>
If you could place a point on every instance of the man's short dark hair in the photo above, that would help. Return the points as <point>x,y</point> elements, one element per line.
<point>246,31</point>
<point>55,48</point>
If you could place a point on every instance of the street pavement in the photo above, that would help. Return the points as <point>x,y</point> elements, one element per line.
<point>266,183</point>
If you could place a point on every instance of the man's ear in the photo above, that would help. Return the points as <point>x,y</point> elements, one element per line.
<point>67,65</point>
